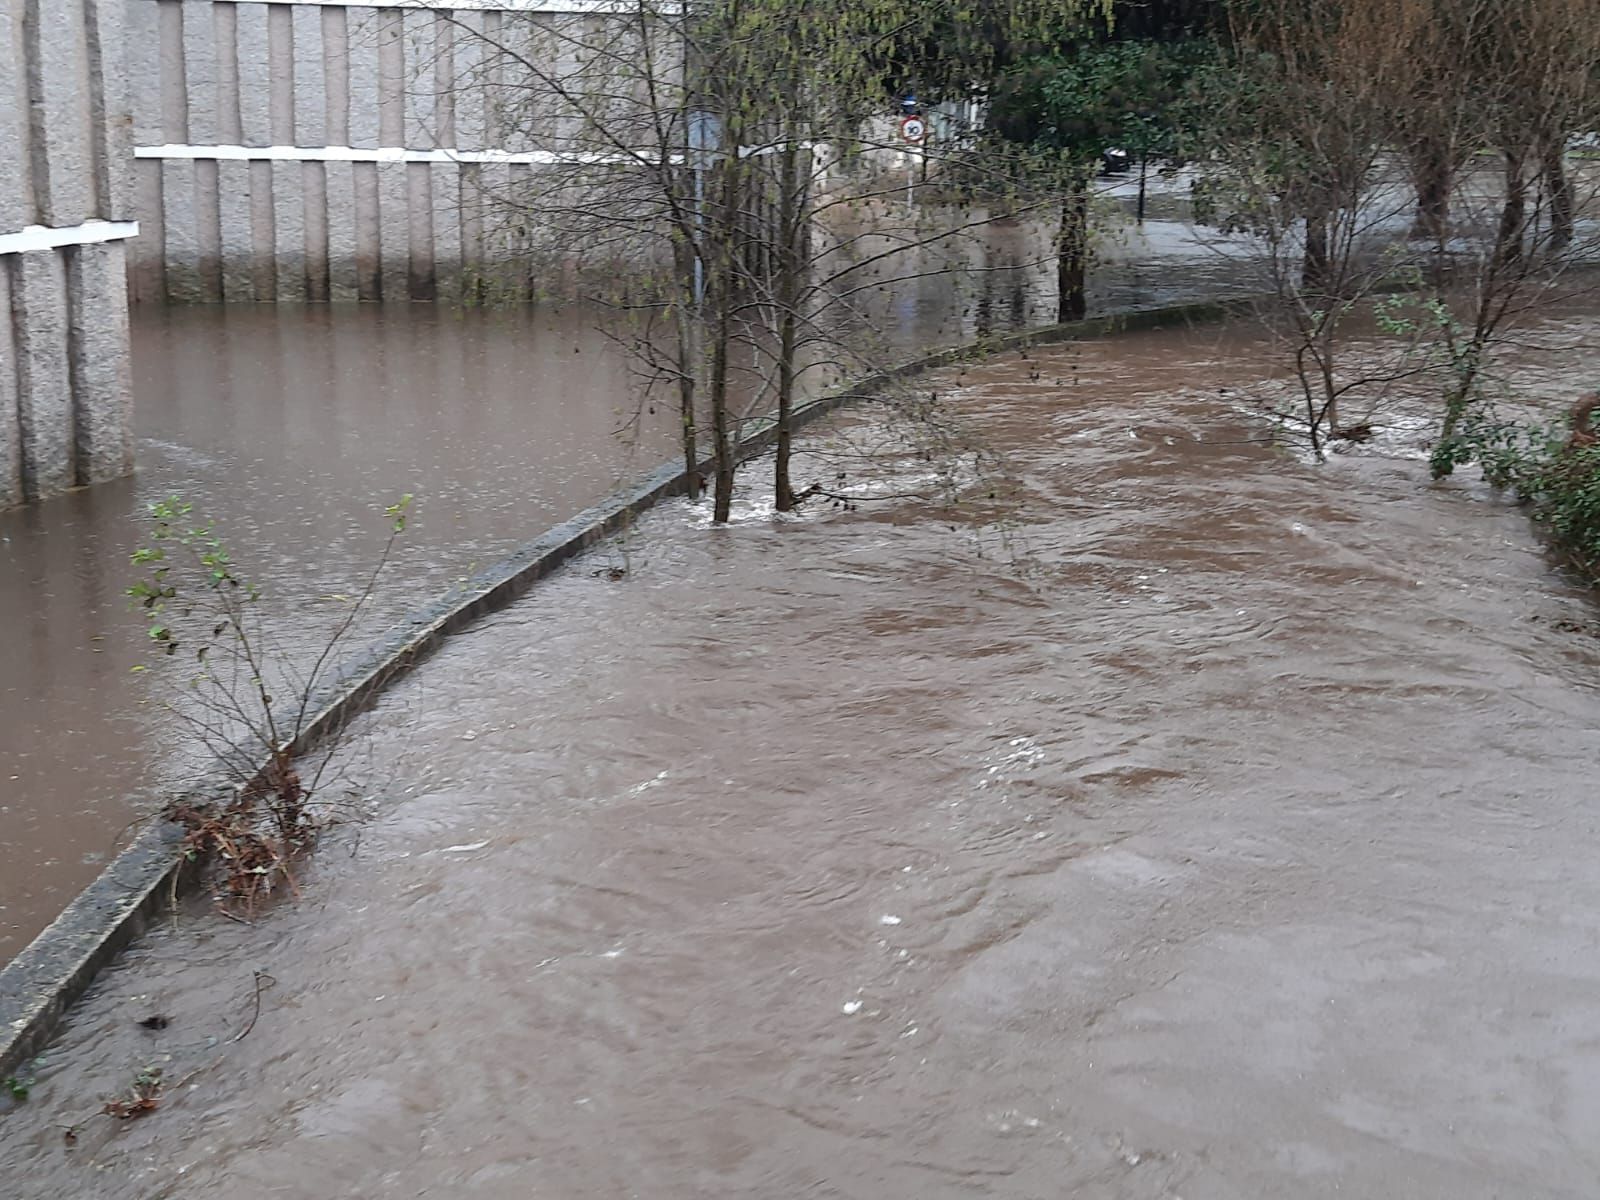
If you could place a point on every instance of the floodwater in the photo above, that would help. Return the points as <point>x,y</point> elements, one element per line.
<point>1187,822</point>
<point>292,428</point>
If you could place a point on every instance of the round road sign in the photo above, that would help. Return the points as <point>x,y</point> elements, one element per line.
<point>913,129</point>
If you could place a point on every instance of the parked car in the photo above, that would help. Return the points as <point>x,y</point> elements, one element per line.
<point>1115,161</point>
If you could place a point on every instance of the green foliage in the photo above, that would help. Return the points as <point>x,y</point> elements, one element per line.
<point>1508,453</point>
<point>1560,482</point>
<point>186,553</point>
<point>397,513</point>
<point>174,541</point>
<point>246,699</point>
<point>953,50</point>
<point>18,1089</point>
<point>1567,495</point>
<point>1080,102</point>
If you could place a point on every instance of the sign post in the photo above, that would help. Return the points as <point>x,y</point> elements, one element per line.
<point>913,129</point>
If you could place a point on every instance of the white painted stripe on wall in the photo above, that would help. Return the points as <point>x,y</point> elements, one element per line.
<point>382,154</point>
<point>398,154</point>
<point>541,6</point>
<point>46,237</point>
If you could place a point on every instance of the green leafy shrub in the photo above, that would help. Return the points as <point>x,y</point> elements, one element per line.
<point>1559,481</point>
<point>1566,495</point>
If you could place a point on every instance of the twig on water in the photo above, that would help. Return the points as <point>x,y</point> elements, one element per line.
<point>263,980</point>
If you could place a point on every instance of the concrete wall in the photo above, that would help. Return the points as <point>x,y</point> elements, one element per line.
<point>305,150</point>
<point>64,152</point>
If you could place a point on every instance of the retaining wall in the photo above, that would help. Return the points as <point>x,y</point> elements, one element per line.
<point>65,416</point>
<point>306,150</point>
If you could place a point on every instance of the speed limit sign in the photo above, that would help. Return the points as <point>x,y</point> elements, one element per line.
<point>913,129</point>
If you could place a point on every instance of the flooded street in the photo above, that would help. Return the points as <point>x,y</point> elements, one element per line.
<point>1192,823</point>
<point>291,428</point>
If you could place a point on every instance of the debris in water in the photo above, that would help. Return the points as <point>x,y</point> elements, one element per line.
<point>888,919</point>
<point>465,847</point>
<point>155,1021</point>
<point>850,1007</point>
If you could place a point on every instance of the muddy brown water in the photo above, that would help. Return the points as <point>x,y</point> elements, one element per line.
<point>291,428</point>
<point>1212,826</point>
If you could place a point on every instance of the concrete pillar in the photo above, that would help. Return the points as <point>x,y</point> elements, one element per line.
<point>199,69</point>
<point>238,247</point>
<point>341,216</point>
<point>289,228</point>
<point>445,210</point>
<point>315,183</point>
<point>110,137</point>
<point>422,284</point>
<point>310,86</point>
<point>255,75</point>
<point>368,255</point>
<point>421,92</point>
<point>146,272</point>
<point>518,273</point>
<point>63,161</point>
<point>102,400</point>
<point>336,75</point>
<point>280,69</point>
<point>391,77</point>
<point>467,60</point>
<point>208,229</point>
<point>172,72</point>
<point>263,233</point>
<point>16,180</point>
<point>44,373</point>
<point>230,120</point>
<point>490,76</point>
<point>64,416</point>
<point>361,54</point>
<point>494,182</point>
<point>394,223</point>
<point>443,37</point>
<point>470,197</point>
<point>142,55</point>
<point>182,228</point>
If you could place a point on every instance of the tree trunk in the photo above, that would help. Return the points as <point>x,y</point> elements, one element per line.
<point>723,298</point>
<point>1513,215</point>
<point>686,315</point>
<point>1072,253</point>
<point>1558,184</point>
<point>790,265</point>
<point>1314,270</point>
<point>1433,175</point>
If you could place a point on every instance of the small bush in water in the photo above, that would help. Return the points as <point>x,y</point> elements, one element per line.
<point>1559,479</point>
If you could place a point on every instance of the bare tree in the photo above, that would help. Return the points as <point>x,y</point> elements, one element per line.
<point>688,177</point>
<point>1338,115</point>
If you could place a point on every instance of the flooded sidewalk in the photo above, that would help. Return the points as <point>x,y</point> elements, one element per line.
<point>292,427</point>
<point>1211,826</point>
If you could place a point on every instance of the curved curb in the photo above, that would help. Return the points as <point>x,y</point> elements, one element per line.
<point>53,970</point>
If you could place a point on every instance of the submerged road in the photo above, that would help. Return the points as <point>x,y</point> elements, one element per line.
<point>291,428</point>
<point>1191,823</point>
